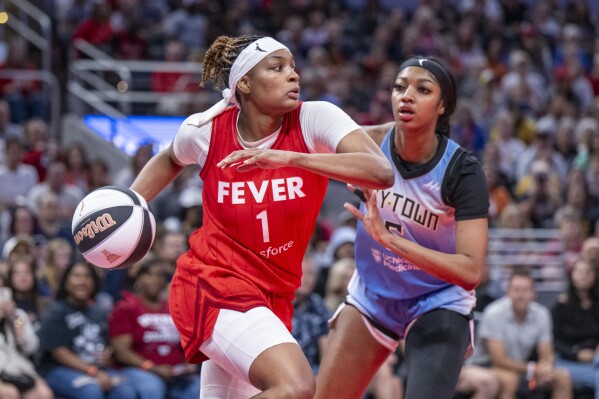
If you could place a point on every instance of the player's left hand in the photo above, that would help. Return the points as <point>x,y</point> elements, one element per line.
<point>246,160</point>
<point>371,220</point>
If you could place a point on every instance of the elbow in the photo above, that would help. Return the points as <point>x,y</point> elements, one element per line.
<point>383,177</point>
<point>469,285</point>
<point>471,280</point>
<point>388,178</point>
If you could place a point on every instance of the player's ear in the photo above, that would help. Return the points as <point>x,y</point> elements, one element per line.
<point>243,85</point>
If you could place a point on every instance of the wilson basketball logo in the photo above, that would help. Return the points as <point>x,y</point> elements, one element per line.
<point>102,222</point>
<point>110,257</point>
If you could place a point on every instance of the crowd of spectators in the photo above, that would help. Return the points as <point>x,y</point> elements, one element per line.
<point>528,74</point>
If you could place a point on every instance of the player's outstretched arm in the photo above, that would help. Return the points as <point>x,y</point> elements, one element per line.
<point>464,268</point>
<point>358,161</point>
<point>157,174</point>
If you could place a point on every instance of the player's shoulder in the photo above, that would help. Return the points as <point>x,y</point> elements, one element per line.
<point>462,160</point>
<point>194,126</point>
<point>196,120</point>
<point>320,107</point>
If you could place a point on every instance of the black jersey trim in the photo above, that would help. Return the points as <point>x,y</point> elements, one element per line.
<point>376,324</point>
<point>450,172</point>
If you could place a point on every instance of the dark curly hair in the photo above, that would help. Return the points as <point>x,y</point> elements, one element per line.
<point>220,57</point>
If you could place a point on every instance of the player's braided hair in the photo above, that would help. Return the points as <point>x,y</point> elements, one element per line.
<point>220,57</point>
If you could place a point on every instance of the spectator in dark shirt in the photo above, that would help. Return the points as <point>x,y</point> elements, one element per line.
<point>310,316</point>
<point>576,327</point>
<point>75,357</point>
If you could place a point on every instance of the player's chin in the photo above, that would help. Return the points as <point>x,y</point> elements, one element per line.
<point>280,105</point>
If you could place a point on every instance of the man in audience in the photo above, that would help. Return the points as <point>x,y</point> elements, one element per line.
<point>516,341</point>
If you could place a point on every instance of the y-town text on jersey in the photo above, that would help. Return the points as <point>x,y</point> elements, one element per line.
<point>410,209</point>
<point>240,192</point>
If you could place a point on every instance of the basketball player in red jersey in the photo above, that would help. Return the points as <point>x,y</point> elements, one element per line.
<point>265,166</point>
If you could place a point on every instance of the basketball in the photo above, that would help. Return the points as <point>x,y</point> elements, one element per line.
<point>113,227</point>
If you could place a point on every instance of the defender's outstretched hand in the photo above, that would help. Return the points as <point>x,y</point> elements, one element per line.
<point>371,220</point>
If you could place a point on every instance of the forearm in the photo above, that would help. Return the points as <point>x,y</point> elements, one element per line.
<point>128,358</point>
<point>507,363</point>
<point>358,168</point>
<point>24,333</point>
<point>546,353</point>
<point>156,175</point>
<point>457,269</point>
<point>67,358</point>
<point>499,357</point>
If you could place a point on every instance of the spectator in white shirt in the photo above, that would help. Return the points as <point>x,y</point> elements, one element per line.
<point>16,178</point>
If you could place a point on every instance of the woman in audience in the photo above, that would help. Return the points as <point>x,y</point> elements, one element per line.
<point>23,282</point>
<point>75,356</point>
<point>58,258</point>
<point>98,175</point>
<point>18,341</point>
<point>576,327</point>
<point>23,221</point>
<point>77,165</point>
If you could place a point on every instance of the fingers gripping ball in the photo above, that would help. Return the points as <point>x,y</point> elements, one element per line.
<point>113,227</point>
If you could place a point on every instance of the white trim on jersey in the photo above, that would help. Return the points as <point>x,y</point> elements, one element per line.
<point>323,126</point>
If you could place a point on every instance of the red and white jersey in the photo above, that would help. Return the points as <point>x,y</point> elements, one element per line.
<point>256,224</point>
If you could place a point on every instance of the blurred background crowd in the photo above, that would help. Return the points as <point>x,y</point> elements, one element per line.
<point>528,108</point>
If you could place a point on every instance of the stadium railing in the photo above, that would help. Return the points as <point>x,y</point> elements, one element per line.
<point>28,21</point>
<point>113,87</point>
<point>539,250</point>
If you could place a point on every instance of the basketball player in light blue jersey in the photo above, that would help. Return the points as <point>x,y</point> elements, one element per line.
<point>420,250</point>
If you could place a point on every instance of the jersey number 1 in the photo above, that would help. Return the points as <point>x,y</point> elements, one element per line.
<point>263,217</point>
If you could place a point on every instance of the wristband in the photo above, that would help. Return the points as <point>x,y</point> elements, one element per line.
<point>530,375</point>
<point>146,365</point>
<point>92,371</point>
<point>530,370</point>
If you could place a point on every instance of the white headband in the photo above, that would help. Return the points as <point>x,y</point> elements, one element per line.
<point>245,61</point>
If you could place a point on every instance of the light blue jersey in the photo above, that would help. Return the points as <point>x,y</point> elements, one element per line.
<point>413,208</point>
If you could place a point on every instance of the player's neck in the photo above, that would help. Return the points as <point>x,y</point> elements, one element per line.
<point>257,128</point>
<point>416,148</point>
<point>152,302</point>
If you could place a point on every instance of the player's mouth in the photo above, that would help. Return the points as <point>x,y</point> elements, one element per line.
<point>295,93</point>
<point>406,113</point>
